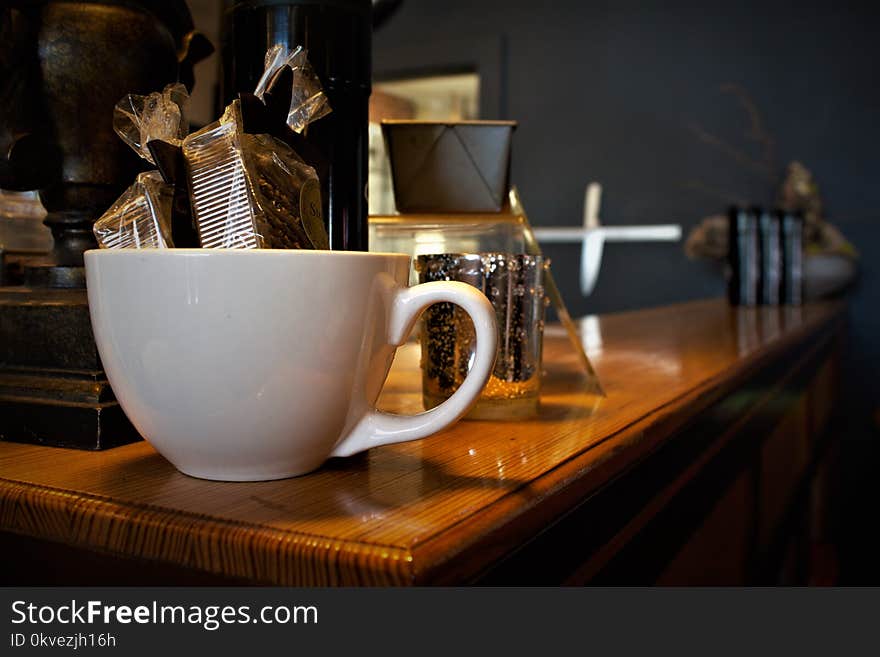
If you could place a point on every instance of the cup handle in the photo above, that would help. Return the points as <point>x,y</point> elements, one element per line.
<point>378,428</point>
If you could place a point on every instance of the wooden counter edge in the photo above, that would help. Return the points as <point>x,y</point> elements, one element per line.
<point>254,553</point>
<point>263,555</point>
<point>446,558</point>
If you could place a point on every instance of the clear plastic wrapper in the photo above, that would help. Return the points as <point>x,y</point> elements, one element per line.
<point>251,191</point>
<point>308,102</point>
<point>159,115</point>
<point>233,184</point>
<point>140,218</point>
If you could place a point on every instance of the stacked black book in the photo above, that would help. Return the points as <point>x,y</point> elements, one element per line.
<point>765,257</point>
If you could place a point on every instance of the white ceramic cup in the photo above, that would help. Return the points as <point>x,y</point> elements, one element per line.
<point>244,365</point>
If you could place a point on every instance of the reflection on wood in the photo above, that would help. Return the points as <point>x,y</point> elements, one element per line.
<point>443,509</point>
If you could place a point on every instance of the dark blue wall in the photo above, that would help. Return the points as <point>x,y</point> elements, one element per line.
<point>635,94</point>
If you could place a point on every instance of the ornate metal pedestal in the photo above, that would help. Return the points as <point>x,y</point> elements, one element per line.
<point>63,66</point>
<point>52,387</point>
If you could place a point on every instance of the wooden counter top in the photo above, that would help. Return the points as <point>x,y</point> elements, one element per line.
<point>439,510</point>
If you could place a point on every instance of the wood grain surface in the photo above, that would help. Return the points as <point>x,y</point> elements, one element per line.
<point>438,510</point>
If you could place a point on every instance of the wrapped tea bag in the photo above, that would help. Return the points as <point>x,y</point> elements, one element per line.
<point>268,115</point>
<point>251,191</point>
<point>140,218</point>
<point>159,115</point>
<point>308,102</point>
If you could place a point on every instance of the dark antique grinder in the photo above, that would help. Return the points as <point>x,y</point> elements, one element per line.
<point>63,67</point>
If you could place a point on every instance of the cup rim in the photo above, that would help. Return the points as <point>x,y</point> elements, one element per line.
<point>283,253</point>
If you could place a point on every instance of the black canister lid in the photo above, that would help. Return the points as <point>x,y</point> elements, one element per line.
<point>336,34</point>
<point>359,6</point>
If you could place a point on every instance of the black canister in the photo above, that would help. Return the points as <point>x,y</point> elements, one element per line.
<point>743,258</point>
<point>792,258</point>
<point>337,35</point>
<point>771,258</point>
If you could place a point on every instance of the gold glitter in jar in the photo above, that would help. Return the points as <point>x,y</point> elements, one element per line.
<point>513,283</point>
